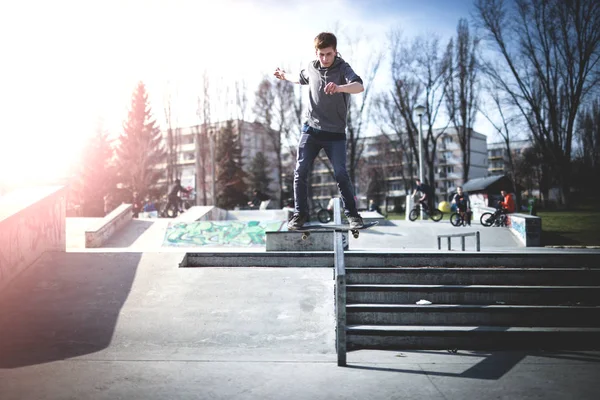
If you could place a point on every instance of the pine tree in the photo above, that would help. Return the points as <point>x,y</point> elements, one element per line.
<point>140,151</point>
<point>95,176</point>
<point>231,187</point>
<point>258,176</point>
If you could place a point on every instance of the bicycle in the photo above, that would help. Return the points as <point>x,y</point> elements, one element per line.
<point>323,215</point>
<point>458,218</point>
<point>436,215</point>
<point>171,210</point>
<point>497,218</point>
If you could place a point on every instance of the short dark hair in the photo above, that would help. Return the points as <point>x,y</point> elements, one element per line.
<point>324,40</point>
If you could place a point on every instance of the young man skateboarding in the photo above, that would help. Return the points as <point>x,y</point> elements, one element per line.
<point>331,80</point>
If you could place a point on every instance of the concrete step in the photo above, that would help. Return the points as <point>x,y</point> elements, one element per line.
<point>402,337</point>
<point>458,314</point>
<point>474,294</point>
<point>474,276</point>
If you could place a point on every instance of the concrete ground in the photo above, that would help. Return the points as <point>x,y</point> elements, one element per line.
<point>134,326</point>
<point>146,235</point>
<point>123,322</point>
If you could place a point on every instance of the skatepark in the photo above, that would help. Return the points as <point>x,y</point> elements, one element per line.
<point>131,318</point>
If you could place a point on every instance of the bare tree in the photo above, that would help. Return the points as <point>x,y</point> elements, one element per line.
<point>241,98</point>
<point>551,52</point>
<point>274,108</point>
<point>399,144</point>
<point>461,90</point>
<point>358,119</point>
<point>203,145</point>
<point>418,75</point>
<point>503,128</point>
<point>173,140</point>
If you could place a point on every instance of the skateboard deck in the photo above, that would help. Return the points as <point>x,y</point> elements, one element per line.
<point>307,229</point>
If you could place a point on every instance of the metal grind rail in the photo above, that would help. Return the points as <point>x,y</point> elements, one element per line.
<point>462,236</point>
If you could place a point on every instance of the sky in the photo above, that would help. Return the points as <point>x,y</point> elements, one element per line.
<point>68,64</point>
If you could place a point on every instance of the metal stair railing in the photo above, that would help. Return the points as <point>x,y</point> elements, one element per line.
<point>340,298</point>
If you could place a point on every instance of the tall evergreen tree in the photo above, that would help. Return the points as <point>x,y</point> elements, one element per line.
<point>140,151</point>
<point>258,176</point>
<point>95,176</point>
<point>231,187</point>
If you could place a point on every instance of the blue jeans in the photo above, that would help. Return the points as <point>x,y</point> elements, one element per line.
<point>308,149</point>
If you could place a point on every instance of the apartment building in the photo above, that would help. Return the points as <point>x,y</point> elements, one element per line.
<point>380,153</point>
<point>449,165</point>
<point>498,155</point>
<point>196,155</point>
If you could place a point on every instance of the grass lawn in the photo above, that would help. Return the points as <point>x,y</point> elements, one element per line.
<point>572,228</point>
<point>561,228</point>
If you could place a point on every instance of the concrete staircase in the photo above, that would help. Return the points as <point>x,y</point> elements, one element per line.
<point>473,308</point>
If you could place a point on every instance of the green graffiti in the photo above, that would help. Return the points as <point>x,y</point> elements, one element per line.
<point>219,233</point>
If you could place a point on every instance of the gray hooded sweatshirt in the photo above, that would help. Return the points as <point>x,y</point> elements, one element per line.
<point>327,112</point>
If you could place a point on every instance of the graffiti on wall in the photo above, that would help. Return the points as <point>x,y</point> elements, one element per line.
<point>30,232</point>
<point>519,226</point>
<point>220,233</point>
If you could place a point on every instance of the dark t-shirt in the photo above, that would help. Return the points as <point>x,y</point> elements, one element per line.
<point>176,189</point>
<point>462,201</point>
<point>425,188</point>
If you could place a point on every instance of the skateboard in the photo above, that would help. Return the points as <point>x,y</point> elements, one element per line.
<point>307,229</point>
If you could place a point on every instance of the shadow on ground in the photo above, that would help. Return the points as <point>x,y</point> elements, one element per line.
<point>493,365</point>
<point>558,239</point>
<point>65,305</point>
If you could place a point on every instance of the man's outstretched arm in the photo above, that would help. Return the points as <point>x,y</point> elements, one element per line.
<point>286,76</point>
<point>350,88</point>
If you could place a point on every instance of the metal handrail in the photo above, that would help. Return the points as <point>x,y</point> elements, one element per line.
<point>340,297</point>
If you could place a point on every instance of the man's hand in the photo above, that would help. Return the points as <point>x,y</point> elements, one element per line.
<point>280,74</point>
<point>332,88</point>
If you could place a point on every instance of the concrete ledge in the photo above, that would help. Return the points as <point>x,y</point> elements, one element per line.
<point>526,228</point>
<point>202,213</point>
<point>292,241</point>
<point>108,225</point>
<point>32,222</point>
<point>372,216</point>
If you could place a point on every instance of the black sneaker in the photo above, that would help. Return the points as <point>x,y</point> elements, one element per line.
<point>356,222</point>
<point>296,222</point>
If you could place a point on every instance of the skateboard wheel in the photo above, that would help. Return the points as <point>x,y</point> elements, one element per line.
<point>304,236</point>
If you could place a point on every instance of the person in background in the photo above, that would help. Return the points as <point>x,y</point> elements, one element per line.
<point>137,206</point>
<point>150,209</point>
<point>258,198</point>
<point>427,194</point>
<point>508,202</point>
<point>174,199</point>
<point>463,204</point>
